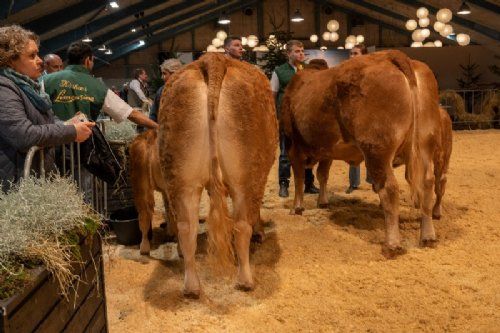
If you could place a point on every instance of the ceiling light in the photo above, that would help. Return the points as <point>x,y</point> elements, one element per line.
<point>297,16</point>
<point>102,48</point>
<point>224,19</point>
<point>87,39</point>
<point>464,9</point>
<point>133,30</point>
<point>108,51</point>
<point>141,43</point>
<point>114,4</point>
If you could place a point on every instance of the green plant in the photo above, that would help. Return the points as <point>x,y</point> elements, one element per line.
<point>470,79</point>
<point>41,222</point>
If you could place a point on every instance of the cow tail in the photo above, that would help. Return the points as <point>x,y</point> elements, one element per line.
<point>415,164</point>
<point>219,222</point>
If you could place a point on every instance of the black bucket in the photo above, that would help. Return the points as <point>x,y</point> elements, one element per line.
<point>125,224</point>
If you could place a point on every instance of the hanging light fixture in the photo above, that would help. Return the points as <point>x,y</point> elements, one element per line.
<point>224,19</point>
<point>87,39</point>
<point>102,48</point>
<point>464,9</point>
<point>114,4</point>
<point>108,51</point>
<point>142,42</point>
<point>297,17</point>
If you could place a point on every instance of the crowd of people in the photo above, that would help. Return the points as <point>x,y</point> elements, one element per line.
<point>42,99</point>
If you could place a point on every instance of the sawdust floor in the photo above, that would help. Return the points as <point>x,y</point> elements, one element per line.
<point>324,271</point>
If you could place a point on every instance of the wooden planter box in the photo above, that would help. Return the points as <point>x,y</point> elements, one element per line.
<point>40,308</point>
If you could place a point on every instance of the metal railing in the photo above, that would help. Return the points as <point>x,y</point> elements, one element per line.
<point>94,190</point>
<point>474,104</point>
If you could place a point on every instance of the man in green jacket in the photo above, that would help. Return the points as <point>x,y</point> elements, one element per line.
<point>74,90</point>
<point>282,75</point>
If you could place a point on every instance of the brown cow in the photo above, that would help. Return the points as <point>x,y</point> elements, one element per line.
<point>218,131</point>
<point>386,106</point>
<point>146,177</point>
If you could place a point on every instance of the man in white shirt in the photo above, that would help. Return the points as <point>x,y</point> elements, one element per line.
<point>138,89</point>
<point>281,76</point>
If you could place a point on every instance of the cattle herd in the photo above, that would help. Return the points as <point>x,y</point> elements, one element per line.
<point>219,132</point>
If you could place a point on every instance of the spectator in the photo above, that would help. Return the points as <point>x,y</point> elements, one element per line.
<point>168,67</point>
<point>52,63</point>
<point>138,89</point>
<point>233,47</point>
<point>282,75</point>
<point>26,117</point>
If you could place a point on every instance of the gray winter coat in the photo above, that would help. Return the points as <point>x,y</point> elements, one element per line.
<point>23,126</point>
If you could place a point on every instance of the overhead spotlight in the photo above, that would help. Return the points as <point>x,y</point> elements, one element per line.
<point>141,43</point>
<point>224,19</point>
<point>114,4</point>
<point>464,9</point>
<point>133,29</point>
<point>102,48</point>
<point>108,51</point>
<point>87,39</point>
<point>297,16</point>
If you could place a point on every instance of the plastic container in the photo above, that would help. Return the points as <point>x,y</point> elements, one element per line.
<point>125,224</point>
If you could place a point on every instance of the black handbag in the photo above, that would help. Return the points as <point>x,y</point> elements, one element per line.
<point>98,158</point>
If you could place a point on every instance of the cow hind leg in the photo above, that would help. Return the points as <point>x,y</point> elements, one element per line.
<point>298,167</point>
<point>322,173</point>
<point>171,226</point>
<point>427,232</point>
<point>186,205</point>
<point>145,204</point>
<point>440,186</point>
<point>246,215</point>
<point>386,185</point>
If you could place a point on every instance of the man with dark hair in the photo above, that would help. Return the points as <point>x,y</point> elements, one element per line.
<point>74,90</point>
<point>282,75</point>
<point>233,47</point>
<point>355,170</point>
<point>138,89</point>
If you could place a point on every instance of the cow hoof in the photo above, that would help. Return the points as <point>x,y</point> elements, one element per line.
<point>144,248</point>
<point>436,216</point>
<point>323,205</point>
<point>297,211</point>
<point>244,287</point>
<point>392,252</point>
<point>192,294</point>
<point>428,243</point>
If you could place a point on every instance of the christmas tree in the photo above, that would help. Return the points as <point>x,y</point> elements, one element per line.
<point>469,79</point>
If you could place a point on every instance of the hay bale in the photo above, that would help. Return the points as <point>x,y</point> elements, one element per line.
<point>491,107</point>
<point>454,104</point>
<point>125,131</point>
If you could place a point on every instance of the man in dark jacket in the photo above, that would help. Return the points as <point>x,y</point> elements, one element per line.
<point>282,75</point>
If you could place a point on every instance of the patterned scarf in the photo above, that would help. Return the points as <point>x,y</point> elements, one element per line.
<point>40,100</point>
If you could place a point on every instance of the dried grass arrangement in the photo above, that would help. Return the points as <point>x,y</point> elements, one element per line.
<point>125,131</point>
<point>41,223</point>
<point>463,119</point>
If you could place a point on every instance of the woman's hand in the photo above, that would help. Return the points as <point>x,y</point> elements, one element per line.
<point>83,130</point>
